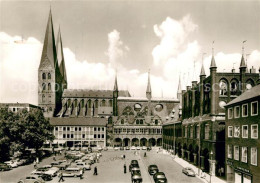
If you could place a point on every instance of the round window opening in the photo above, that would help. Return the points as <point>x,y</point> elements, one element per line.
<point>137,107</point>
<point>159,107</point>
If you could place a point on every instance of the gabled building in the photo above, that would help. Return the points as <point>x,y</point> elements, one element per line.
<point>242,139</point>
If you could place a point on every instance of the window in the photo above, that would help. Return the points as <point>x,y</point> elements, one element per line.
<point>72,136</point>
<point>237,112</point>
<point>49,75</point>
<point>230,131</point>
<point>244,155</point>
<point>49,87</point>
<point>102,136</point>
<point>68,136</point>
<point>43,98</point>
<point>64,128</point>
<point>50,109</point>
<point>244,110</point>
<point>83,136</point>
<point>64,136</point>
<point>122,121</point>
<point>229,151</point>
<point>223,88</point>
<point>245,131</point>
<point>43,86</point>
<point>98,129</point>
<point>234,88</point>
<point>68,128</point>
<point>43,76</point>
<point>76,128</point>
<point>236,152</point>
<point>207,131</point>
<point>95,136</point>
<point>254,108</point>
<point>99,136</point>
<point>49,98</point>
<point>230,113</point>
<point>137,122</point>
<point>198,131</point>
<point>103,103</point>
<point>141,122</point>
<point>185,131</point>
<point>191,131</point>
<point>254,156</point>
<point>95,129</point>
<point>79,128</point>
<point>254,131</point>
<point>156,121</point>
<point>237,131</point>
<point>103,129</point>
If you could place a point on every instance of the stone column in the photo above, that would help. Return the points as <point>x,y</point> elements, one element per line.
<point>212,167</point>
<point>195,158</point>
<point>202,162</point>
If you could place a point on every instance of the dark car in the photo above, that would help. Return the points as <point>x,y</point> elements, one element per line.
<point>137,178</point>
<point>153,169</point>
<point>159,177</point>
<point>134,163</point>
<point>188,171</point>
<point>46,177</point>
<point>5,167</point>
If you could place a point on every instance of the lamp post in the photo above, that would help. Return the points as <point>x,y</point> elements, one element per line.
<point>211,156</point>
<point>173,112</point>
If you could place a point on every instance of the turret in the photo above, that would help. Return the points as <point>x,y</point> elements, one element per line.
<point>242,69</point>
<point>213,93</point>
<point>149,94</point>
<point>115,96</point>
<point>202,77</point>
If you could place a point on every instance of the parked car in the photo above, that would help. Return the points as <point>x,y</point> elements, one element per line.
<point>144,148</point>
<point>135,170</point>
<point>121,148</point>
<point>159,177</point>
<point>134,163</point>
<point>55,163</point>
<point>39,171</point>
<point>46,177</point>
<point>23,161</point>
<point>127,148</point>
<point>13,164</point>
<point>188,171</point>
<point>72,172</point>
<point>138,148</point>
<point>31,179</point>
<point>137,178</point>
<point>5,167</point>
<point>53,171</point>
<point>153,169</point>
<point>105,148</point>
<point>133,148</point>
<point>83,165</point>
<point>116,148</point>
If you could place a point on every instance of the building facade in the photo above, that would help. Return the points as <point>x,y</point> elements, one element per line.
<point>242,139</point>
<point>129,120</point>
<point>18,107</point>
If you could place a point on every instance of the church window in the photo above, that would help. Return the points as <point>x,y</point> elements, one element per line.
<point>50,109</point>
<point>137,107</point>
<point>43,76</point>
<point>156,121</point>
<point>43,98</point>
<point>110,103</point>
<point>50,98</point>
<point>234,87</point>
<point>137,122</point>
<point>49,87</point>
<point>43,86</point>
<point>159,107</point>
<point>49,75</point>
<point>103,104</point>
<point>223,88</point>
<point>141,122</point>
<point>122,121</point>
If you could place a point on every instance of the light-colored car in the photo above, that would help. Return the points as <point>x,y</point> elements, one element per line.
<point>138,148</point>
<point>188,171</point>
<point>116,148</point>
<point>72,172</point>
<point>105,148</point>
<point>83,165</point>
<point>13,164</point>
<point>133,148</point>
<point>31,179</point>
<point>53,171</point>
<point>39,171</point>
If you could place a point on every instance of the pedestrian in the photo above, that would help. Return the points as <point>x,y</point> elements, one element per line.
<point>81,176</point>
<point>124,168</point>
<point>54,158</point>
<point>124,156</point>
<point>95,171</point>
<point>202,175</point>
<point>34,164</point>
<point>61,177</point>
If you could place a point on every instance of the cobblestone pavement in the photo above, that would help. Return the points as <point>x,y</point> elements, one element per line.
<point>110,169</point>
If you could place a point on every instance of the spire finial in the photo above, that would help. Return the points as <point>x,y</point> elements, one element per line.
<point>243,47</point>
<point>213,48</point>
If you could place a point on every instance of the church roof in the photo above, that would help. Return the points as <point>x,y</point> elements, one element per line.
<point>242,63</point>
<point>115,85</point>
<point>253,92</point>
<point>79,121</point>
<point>60,56</point>
<point>94,93</point>
<point>202,72</point>
<point>49,49</point>
<point>213,62</point>
<point>179,85</point>
<point>155,99</point>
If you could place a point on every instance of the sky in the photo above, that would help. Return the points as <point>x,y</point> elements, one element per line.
<point>130,37</point>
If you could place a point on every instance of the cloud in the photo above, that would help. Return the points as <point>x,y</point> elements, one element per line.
<point>116,48</point>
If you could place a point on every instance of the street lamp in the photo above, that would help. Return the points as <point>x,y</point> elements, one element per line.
<point>211,156</point>
<point>173,112</point>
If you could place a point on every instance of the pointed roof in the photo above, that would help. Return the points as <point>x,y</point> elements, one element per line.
<point>49,49</point>
<point>60,56</point>
<point>148,89</point>
<point>213,62</point>
<point>242,63</point>
<point>115,85</point>
<point>179,85</point>
<point>202,72</point>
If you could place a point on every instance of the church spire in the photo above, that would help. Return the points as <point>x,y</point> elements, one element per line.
<point>60,56</point>
<point>49,49</point>
<point>179,85</point>
<point>243,63</point>
<point>202,72</point>
<point>115,85</point>
<point>148,89</point>
<point>213,62</point>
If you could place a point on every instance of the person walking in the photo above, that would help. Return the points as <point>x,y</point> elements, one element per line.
<point>124,168</point>
<point>95,171</point>
<point>61,177</point>
<point>34,164</point>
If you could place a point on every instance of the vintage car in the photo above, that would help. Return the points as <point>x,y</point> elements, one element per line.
<point>153,169</point>
<point>72,172</point>
<point>159,177</point>
<point>188,171</point>
<point>137,178</point>
<point>5,167</point>
<point>31,179</point>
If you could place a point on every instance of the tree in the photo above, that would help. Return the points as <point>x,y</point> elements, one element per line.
<point>23,130</point>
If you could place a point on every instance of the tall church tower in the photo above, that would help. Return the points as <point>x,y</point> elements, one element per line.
<point>149,94</point>
<point>115,96</point>
<point>49,76</point>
